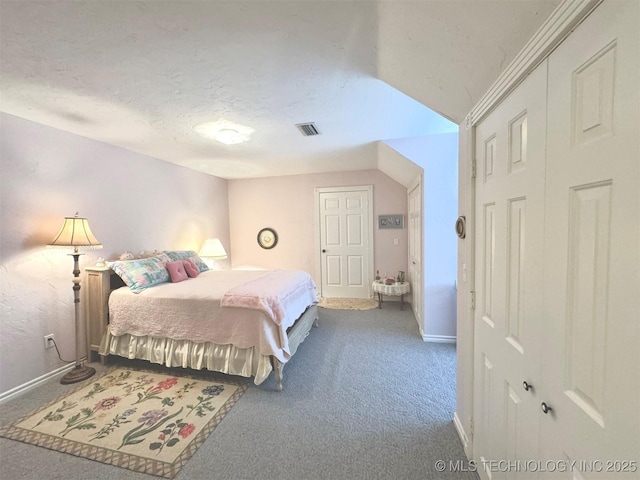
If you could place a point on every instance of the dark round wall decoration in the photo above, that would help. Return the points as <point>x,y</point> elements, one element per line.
<point>267,238</point>
<point>461,227</point>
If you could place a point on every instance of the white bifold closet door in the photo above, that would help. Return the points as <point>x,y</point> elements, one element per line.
<point>557,320</point>
<point>510,155</point>
<point>591,316</point>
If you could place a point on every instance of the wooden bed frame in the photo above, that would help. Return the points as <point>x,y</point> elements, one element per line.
<point>101,281</point>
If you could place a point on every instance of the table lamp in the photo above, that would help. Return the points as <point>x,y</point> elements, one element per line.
<point>212,248</point>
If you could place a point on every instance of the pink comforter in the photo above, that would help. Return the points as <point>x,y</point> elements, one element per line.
<point>191,310</point>
<point>271,293</point>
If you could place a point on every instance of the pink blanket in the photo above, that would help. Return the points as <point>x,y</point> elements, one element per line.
<point>271,293</point>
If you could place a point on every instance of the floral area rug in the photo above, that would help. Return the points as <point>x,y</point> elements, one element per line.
<point>143,421</point>
<point>348,303</point>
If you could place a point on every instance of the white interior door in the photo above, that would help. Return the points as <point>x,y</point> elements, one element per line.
<point>345,226</point>
<point>592,264</point>
<point>415,226</point>
<point>510,155</point>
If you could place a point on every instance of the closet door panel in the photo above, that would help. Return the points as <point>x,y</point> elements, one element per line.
<point>592,246</point>
<point>510,156</point>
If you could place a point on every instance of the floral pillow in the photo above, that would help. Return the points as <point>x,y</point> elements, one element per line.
<point>141,273</point>
<point>163,257</point>
<point>175,255</point>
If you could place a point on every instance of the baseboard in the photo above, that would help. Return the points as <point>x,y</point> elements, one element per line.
<point>438,338</point>
<point>463,436</point>
<point>25,387</point>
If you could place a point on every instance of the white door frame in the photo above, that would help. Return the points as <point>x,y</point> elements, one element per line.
<point>354,188</point>
<point>418,307</point>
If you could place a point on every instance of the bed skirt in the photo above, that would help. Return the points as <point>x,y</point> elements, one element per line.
<point>246,362</point>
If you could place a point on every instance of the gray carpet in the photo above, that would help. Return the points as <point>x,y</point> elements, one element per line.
<point>364,398</point>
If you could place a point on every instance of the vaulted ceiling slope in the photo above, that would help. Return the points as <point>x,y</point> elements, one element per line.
<point>142,74</point>
<point>446,54</point>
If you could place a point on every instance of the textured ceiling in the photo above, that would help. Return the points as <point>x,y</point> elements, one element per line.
<point>142,74</point>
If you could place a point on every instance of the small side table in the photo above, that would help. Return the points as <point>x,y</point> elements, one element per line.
<point>397,289</point>
<point>98,287</point>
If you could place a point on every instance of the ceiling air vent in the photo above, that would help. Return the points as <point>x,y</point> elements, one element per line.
<point>308,129</point>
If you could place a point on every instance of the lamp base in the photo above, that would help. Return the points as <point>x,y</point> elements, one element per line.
<point>78,374</point>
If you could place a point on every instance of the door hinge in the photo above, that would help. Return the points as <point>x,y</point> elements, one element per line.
<point>473,168</point>
<point>473,299</point>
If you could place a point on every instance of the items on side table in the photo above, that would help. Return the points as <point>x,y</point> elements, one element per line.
<point>395,288</point>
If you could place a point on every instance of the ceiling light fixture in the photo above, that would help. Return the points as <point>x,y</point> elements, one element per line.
<point>224,131</point>
<point>229,136</point>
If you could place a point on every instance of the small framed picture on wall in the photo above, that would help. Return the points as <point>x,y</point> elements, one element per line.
<point>390,221</point>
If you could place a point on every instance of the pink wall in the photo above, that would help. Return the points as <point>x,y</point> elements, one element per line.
<point>287,205</point>
<point>133,202</point>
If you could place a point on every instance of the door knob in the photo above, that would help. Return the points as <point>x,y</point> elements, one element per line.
<point>527,386</point>
<point>324,251</point>
<point>545,408</point>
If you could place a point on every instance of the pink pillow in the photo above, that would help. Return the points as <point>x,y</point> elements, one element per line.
<point>191,267</point>
<point>176,271</point>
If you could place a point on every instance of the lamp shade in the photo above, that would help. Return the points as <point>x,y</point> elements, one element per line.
<point>213,248</point>
<point>75,232</point>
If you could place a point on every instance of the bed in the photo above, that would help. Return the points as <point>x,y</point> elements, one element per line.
<point>237,322</point>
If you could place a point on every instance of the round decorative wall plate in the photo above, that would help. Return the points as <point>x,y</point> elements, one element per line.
<point>267,238</point>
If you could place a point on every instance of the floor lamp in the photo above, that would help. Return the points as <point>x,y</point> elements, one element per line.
<point>75,232</point>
